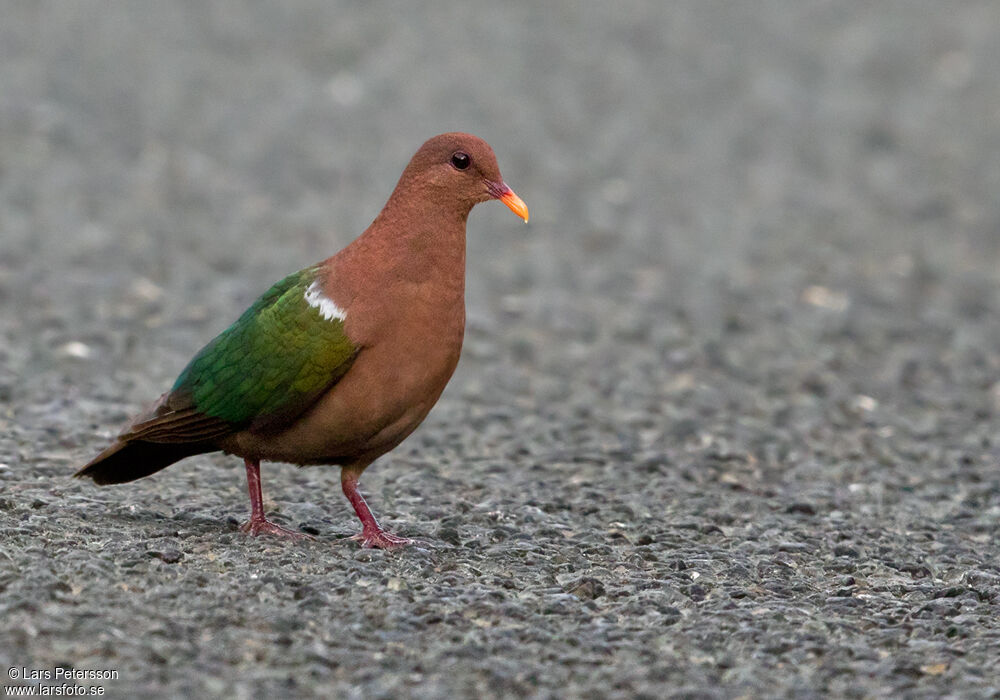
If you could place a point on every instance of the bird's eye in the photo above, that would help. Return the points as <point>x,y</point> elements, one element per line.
<point>461,160</point>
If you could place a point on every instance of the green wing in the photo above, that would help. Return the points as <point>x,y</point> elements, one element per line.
<point>262,371</point>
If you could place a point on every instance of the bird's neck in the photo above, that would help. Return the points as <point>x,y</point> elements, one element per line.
<point>419,208</point>
<point>412,241</point>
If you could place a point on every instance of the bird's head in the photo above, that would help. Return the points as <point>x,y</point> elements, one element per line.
<point>457,167</point>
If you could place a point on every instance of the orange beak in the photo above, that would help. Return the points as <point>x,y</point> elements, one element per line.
<point>513,202</point>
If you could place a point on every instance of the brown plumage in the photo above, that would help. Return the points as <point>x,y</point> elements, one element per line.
<point>338,363</point>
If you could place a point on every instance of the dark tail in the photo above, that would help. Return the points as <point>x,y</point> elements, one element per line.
<point>128,461</point>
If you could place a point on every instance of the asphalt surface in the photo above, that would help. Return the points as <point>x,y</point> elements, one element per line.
<point>727,421</point>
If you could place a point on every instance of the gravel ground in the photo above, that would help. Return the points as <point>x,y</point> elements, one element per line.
<point>727,422</point>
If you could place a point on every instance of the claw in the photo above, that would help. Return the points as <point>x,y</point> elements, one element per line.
<point>380,539</point>
<point>266,527</point>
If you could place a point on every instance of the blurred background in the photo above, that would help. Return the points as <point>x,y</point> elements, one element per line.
<point>675,152</point>
<point>763,264</point>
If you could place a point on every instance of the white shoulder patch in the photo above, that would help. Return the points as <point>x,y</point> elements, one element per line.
<point>315,298</point>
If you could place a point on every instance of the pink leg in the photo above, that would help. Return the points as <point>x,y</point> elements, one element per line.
<point>372,534</point>
<point>258,524</point>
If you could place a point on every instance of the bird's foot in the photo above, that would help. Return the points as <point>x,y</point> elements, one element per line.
<point>380,539</point>
<point>263,526</point>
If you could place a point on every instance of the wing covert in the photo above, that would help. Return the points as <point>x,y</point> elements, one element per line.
<point>262,371</point>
